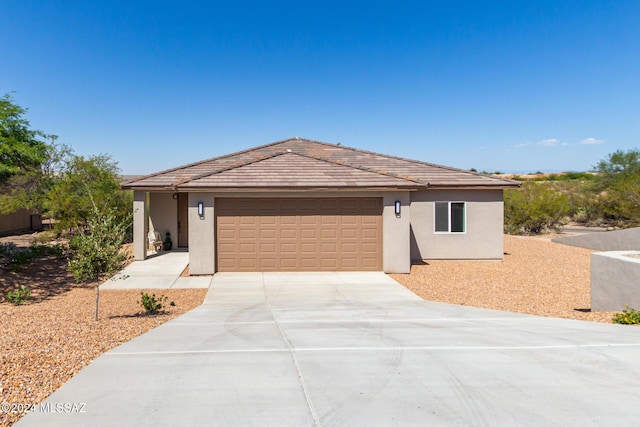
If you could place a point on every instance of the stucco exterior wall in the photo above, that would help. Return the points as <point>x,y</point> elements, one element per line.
<point>140,225</point>
<point>163,215</point>
<point>615,280</point>
<point>16,221</point>
<point>395,233</point>
<point>395,230</point>
<point>483,238</point>
<point>202,248</point>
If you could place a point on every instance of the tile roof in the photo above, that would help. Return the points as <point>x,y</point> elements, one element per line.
<point>305,164</point>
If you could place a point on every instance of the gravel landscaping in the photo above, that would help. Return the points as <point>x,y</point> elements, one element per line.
<point>536,276</point>
<point>46,341</point>
<point>49,339</point>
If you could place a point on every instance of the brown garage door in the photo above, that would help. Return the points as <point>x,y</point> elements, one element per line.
<point>324,234</point>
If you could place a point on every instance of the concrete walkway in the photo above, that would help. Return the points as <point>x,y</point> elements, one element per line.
<point>354,349</point>
<point>159,271</point>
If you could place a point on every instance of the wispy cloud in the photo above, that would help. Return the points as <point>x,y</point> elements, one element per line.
<point>555,142</point>
<point>592,141</point>
<point>552,142</point>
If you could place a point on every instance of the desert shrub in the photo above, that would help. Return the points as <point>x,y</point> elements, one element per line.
<point>619,187</point>
<point>534,208</point>
<point>95,253</point>
<point>619,205</point>
<point>19,295</point>
<point>151,303</point>
<point>15,257</point>
<point>628,316</point>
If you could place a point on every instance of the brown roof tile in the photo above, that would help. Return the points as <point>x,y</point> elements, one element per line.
<point>307,164</point>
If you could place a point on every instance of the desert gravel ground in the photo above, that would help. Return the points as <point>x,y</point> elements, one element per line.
<point>48,340</point>
<point>52,337</point>
<point>536,276</point>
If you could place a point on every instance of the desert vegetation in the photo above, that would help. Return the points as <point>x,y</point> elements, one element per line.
<point>608,196</point>
<point>79,195</point>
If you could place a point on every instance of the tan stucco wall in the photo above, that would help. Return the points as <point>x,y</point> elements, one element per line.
<point>202,248</point>
<point>484,226</point>
<point>140,225</point>
<point>395,234</point>
<point>407,237</point>
<point>163,215</point>
<point>16,221</point>
<point>395,230</point>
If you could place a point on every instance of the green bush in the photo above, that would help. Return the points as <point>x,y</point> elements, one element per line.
<point>16,257</point>
<point>96,254</point>
<point>628,316</point>
<point>534,208</point>
<point>19,296</point>
<point>151,303</point>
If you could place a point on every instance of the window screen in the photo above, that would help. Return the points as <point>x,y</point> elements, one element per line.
<point>450,217</point>
<point>442,216</point>
<point>457,217</point>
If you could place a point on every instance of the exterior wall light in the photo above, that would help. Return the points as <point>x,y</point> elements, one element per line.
<point>200,209</point>
<point>175,196</point>
<point>397,207</point>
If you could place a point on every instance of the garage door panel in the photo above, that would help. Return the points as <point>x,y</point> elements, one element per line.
<point>306,220</point>
<point>349,248</point>
<point>249,221</point>
<point>329,264</point>
<point>288,263</point>
<point>247,248</point>
<point>348,233</point>
<point>288,233</point>
<point>267,263</point>
<point>309,263</point>
<point>309,248</point>
<point>329,233</point>
<point>227,234</point>
<point>267,248</point>
<point>247,263</point>
<point>369,233</point>
<point>245,233</point>
<point>348,220</point>
<point>312,234</point>
<point>329,248</point>
<point>308,234</point>
<point>288,248</point>
<point>269,233</point>
<point>288,220</point>
<point>348,263</point>
<point>227,247</point>
<point>369,248</point>
<point>369,263</point>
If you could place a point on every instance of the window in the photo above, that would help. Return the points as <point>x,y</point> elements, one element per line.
<point>450,217</point>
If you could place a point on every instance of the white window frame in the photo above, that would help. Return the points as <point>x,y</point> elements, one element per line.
<point>464,217</point>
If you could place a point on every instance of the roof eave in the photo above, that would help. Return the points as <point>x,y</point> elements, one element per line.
<point>502,186</point>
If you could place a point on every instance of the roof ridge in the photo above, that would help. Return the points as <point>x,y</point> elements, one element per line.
<point>228,168</point>
<point>224,156</point>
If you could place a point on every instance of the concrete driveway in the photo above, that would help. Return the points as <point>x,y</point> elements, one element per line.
<point>354,349</point>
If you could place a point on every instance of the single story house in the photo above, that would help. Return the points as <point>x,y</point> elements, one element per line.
<point>302,205</point>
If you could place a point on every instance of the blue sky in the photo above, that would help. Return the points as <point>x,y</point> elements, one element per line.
<point>501,85</point>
